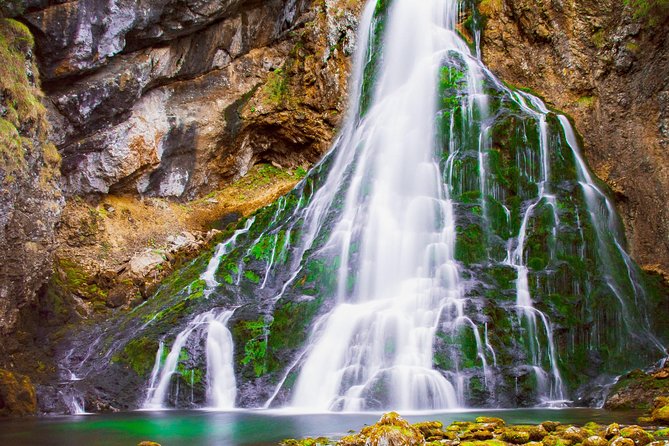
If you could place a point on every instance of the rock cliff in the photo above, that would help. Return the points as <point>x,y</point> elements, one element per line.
<point>30,200</point>
<point>176,97</point>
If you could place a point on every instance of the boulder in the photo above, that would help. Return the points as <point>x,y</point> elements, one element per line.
<point>17,395</point>
<point>595,440</point>
<point>142,264</point>
<point>612,430</point>
<point>390,430</point>
<point>620,441</point>
<point>637,434</point>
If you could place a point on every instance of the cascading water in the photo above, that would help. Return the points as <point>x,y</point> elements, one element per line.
<point>381,334</point>
<point>221,383</point>
<point>221,389</point>
<point>451,250</point>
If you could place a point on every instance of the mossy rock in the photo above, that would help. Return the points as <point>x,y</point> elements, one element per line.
<point>139,355</point>
<point>661,415</point>
<point>17,395</point>
<point>554,440</point>
<point>484,443</point>
<point>550,426</point>
<point>320,441</point>
<point>595,440</point>
<point>460,426</point>
<point>574,434</point>
<point>514,436</point>
<point>391,430</point>
<point>638,435</point>
<point>537,433</point>
<point>496,422</point>
<point>432,430</point>
<point>612,431</point>
<point>620,441</point>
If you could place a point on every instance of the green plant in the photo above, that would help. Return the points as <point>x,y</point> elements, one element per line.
<point>276,86</point>
<point>653,12</point>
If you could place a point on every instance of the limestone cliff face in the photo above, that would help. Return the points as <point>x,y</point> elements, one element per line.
<point>610,71</point>
<point>30,200</point>
<point>151,98</point>
<point>176,100</point>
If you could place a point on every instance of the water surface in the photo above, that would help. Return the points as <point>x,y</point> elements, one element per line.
<point>247,428</point>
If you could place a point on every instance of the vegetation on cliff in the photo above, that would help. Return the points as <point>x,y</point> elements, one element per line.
<point>653,12</point>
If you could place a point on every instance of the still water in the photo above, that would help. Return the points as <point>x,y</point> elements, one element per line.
<point>246,428</point>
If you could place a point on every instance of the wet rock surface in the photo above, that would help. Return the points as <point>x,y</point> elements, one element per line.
<point>608,70</point>
<point>639,389</point>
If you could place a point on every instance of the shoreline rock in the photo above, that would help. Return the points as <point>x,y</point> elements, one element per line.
<point>393,430</point>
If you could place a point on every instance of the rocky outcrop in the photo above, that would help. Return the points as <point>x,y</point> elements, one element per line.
<point>607,66</point>
<point>114,251</point>
<point>17,395</point>
<point>153,98</point>
<point>30,201</point>
<point>639,390</point>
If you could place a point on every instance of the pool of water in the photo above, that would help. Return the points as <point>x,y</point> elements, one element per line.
<point>246,428</point>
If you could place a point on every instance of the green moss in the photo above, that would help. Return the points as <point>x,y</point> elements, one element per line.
<point>139,355</point>
<point>375,54</point>
<point>262,250</point>
<point>470,245</point>
<point>276,86</point>
<point>450,83</point>
<point>190,376</point>
<point>586,101</point>
<point>651,12</point>
<point>662,433</point>
<point>290,328</point>
<point>72,278</point>
<point>253,277</point>
<point>254,335</point>
<point>24,115</point>
<point>599,38</point>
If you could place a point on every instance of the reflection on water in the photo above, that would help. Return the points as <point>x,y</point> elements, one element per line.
<point>246,428</point>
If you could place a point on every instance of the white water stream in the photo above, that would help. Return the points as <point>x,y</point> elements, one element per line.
<point>381,335</point>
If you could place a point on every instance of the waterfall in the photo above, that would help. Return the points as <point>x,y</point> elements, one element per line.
<point>451,250</point>
<point>161,381</point>
<point>381,335</point>
<point>221,383</point>
<point>222,249</point>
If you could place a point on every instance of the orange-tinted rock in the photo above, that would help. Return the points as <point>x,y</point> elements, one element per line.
<point>17,395</point>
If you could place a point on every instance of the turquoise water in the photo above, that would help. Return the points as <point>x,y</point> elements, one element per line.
<point>245,428</point>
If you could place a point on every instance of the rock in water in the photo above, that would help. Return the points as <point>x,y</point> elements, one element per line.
<point>390,430</point>
<point>661,411</point>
